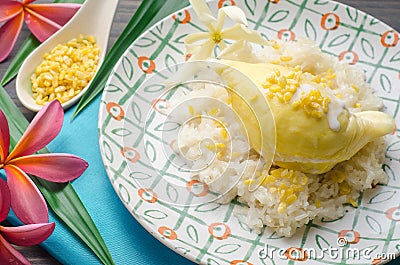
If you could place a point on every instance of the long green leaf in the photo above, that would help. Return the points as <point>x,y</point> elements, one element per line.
<point>66,204</point>
<point>26,48</point>
<point>62,198</point>
<point>148,13</point>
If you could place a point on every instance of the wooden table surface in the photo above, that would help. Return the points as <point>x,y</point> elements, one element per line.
<point>386,10</point>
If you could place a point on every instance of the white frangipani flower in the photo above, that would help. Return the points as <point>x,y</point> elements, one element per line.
<point>201,45</point>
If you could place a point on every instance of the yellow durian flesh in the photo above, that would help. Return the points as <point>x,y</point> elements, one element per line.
<point>303,142</point>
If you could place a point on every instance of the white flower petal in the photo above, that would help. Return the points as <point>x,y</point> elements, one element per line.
<point>222,45</point>
<point>195,37</point>
<point>234,13</point>
<point>232,48</point>
<point>220,20</point>
<point>203,12</point>
<point>203,51</point>
<point>240,32</point>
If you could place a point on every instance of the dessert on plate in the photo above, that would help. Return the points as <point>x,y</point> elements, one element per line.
<point>326,140</point>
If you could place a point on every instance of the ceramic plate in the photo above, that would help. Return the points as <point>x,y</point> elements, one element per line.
<point>136,142</point>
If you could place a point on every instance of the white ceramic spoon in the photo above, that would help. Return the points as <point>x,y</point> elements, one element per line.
<point>93,18</point>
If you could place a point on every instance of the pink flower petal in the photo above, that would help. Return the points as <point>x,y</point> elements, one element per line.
<point>52,167</point>
<point>42,130</point>
<point>28,1</point>
<point>9,10</point>
<point>9,32</point>
<point>5,200</point>
<point>4,137</point>
<point>27,235</point>
<point>39,25</point>
<point>9,255</point>
<point>60,13</point>
<point>27,202</point>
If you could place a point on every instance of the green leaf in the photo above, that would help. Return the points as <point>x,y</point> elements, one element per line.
<point>26,48</point>
<point>18,123</point>
<point>61,197</point>
<point>65,203</point>
<point>148,13</point>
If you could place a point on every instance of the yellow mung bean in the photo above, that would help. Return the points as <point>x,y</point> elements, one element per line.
<point>66,70</point>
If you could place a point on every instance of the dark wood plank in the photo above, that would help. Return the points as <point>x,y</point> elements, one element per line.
<point>385,10</point>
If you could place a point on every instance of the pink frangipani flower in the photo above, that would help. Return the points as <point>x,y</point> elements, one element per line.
<point>27,202</point>
<point>26,235</point>
<point>43,20</point>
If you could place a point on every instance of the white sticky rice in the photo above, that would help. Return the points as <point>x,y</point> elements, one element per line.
<point>227,159</point>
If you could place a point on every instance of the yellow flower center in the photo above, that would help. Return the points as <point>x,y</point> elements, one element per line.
<point>216,37</point>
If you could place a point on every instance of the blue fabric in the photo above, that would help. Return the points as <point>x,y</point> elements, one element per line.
<point>127,240</point>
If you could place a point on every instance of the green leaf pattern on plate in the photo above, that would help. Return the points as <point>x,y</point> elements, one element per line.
<point>172,193</point>
<point>310,30</point>
<point>321,242</point>
<point>395,57</point>
<point>207,207</point>
<point>212,262</point>
<point>382,197</point>
<point>144,42</point>
<point>367,48</point>
<point>192,233</point>
<point>373,224</point>
<point>121,132</point>
<point>124,193</point>
<point>353,34</point>
<point>156,214</point>
<point>150,150</point>
<point>154,88</point>
<point>389,171</point>
<point>385,83</point>
<point>107,152</point>
<point>170,62</point>
<point>251,5</point>
<point>167,126</point>
<point>279,16</point>
<point>128,68</point>
<point>352,13</point>
<point>321,2</point>
<point>137,113</point>
<point>227,248</point>
<point>339,40</point>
